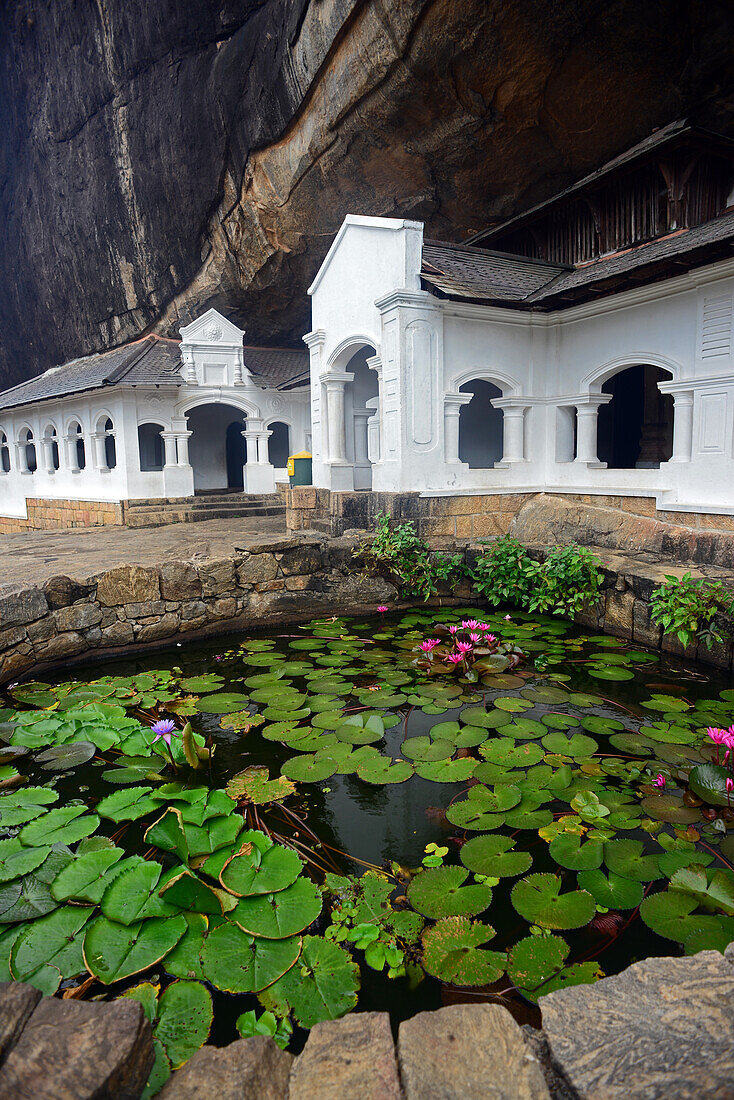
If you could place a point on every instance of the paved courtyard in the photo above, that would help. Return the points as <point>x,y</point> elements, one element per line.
<point>32,557</point>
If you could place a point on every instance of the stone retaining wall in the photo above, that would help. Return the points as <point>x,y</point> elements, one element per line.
<point>661,1028</point>
<point>133,608</point>
<point>55,515</point>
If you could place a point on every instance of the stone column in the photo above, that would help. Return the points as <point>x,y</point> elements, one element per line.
<point>513,429</point>
<point>100,458</point>
<point>682,425</point>
<point>452,406</point>
<point>72,458</point>
<point>182,447</point>
<point>373,430</point>
<point>22,456</point>
<point>258,473</point>
<point>334,385</point>
<point>48,455</point>
<point>169,445</point>
<point>587,413</point>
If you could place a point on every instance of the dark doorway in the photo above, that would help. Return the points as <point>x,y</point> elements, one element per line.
<point>635,429</point>
<point>236,455</point>
<point>480,426</point>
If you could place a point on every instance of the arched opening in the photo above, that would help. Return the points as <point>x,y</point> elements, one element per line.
<point>480,426</point>
<point>107,453</point>
<point>635,428</point>
<point>29,447</point>
<point>4,454</point>
<point>279,444</point>
<point>51,448</point>
<point>358,393</point>
<point>76,443</point>
<point>150,447</point>
<point>217,448</point>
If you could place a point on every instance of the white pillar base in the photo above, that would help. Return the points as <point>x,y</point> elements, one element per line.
<point>259,477</point>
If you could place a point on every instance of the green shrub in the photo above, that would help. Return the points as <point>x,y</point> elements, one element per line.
<point>401,555</point>
<point>686,608</point>
<point>569,577</point>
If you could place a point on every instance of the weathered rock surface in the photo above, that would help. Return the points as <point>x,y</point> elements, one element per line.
<point>348,1059</point>
<point>662,1028</point>
<point>467,1052</point>
<point>72,1050</point>
<point>249,1069</point>
<point>17,1001</point>
<point>183,154</point>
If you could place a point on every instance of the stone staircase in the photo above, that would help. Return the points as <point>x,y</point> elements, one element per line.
<point>215,504</point>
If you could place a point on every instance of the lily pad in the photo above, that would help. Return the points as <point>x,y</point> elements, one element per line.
<point>439,892</point>
<point>309,768</point>
<point>577,746</point>
<point>87,877</point>
<point>539,900</point>
<point>17,860</point>
<point>223,703</point>
<point>323,987</point>
<point>381,770</point>
<point>452,952</point>
<point>255,784</point>
<point>129,804</point>
<point>183,961</point>
<point>612,890</point>
<point>626,858</point>
<point>533,960</point>
<point>24,805</point>
<point>447,771</point>
<point>255,872</point>
<point>61,758</point>
<point>114,951</point>
<point>65,825</point>
<point>426,750</point>
<point>568,850</point>
<point>237,963</point>
<point>50,949</point>
<point>280,915</point>
<point>494,856</point>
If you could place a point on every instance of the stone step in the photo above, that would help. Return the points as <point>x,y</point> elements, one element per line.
<point>204,500</point>
<point>164,516</point>
<point>218,505</point>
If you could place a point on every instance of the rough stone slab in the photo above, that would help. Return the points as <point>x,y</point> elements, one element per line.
<point>249,1069</point>
<point>17,1001</point>
<point>73,1050</point>
<point>663,1028</point>
<point>348,1059</point>
<point>22,607</point>
<point>128,584</point>
<point>467,1052</point>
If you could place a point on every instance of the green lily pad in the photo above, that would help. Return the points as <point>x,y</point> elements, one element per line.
<point>611,674</point>
<point>223,703</point>
<point>494,856</point>
<point>533,960</point>
<point>478,716</point>
<point>713,890</point>
<point>452,952</point>
<point>237,963</point>
<point>17,860</point>
<point>626,858</point>
<point>255,872</point>
<point>87,877</point>
<point>439,892</point>
<point>183,961</point>
<point>127,898</point>
<point>65,825</point>
<point>538,899</point>
<point>670,914</point>
<point>323,987</point>
<point>129,804</point>
<point>380,770</point>
<point>666,807</point>
<point>308,768</point>
<point>61,758</point>
<point>50,949</point>
<point>568,850</point>
<point>612,890</point>
<point>255,784</point>
<point>447,771</point>
<point>115,951</point>
<point>631,742</point>
<point>25,805</point>
<point>708,781</point>
<point>426,750</point>
<point>577,746</point>
<point>278,916</point>
<point>509,755</point>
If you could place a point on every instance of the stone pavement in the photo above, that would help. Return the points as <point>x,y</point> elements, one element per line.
<point>31,557</point>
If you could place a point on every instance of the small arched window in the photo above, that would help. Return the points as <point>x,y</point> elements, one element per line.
<point>278,444</point>
<point>51,448</point>
<point>110,450</point>
<point>76,441</point>
<point>4,454</point>
<point>26,441</point>
<point>150,447</point>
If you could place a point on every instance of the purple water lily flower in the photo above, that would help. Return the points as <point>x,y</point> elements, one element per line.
<point>164,728</point>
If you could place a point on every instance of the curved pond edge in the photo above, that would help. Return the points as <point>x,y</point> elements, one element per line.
<point>674,1010</point>
<point>134,608</point>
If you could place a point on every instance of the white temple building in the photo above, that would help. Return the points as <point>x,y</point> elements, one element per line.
<point>584,346</point>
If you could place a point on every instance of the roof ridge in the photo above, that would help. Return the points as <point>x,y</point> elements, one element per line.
<point>474,249</point>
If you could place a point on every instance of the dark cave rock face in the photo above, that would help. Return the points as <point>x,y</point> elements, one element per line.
<point>160,156</point>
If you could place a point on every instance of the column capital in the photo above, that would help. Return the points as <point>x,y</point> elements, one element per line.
<point>590,403</point>
<point>315,339</point>
<point>454,402</point>
<point>374,362</point>
<point>511,406</point>
<point>337,379</point>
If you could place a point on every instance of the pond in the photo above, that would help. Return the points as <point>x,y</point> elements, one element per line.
<point>387,814</point>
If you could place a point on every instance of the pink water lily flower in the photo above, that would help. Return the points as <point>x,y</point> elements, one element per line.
<point>508,618</point>
<point>475,638</point>
<point>453,629</point>
<point>729,789</point>
<point>719,737</point>
<point>490,639</point>
<point>382,607</point>
<point>464,647</point>
<point>429,644</point>
<point>454,658</point>
<point>470,624</point>
<point>659,782</point>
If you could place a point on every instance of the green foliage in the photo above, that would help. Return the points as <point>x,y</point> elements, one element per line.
<point>397,552</point>
<point>250,1024</point>
<point>687,608</point>
<point>569,578</point>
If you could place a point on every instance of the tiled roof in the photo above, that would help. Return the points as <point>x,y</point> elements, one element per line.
<point>152,360</point>
<point>462,271</point>
<point>465,272</point>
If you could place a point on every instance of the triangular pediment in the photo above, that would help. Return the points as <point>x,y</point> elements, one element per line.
<point>212,328</point>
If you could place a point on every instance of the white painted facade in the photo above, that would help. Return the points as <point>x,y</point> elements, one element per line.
<point>88,446</point>
<point>389,360</point>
